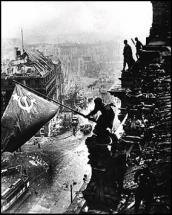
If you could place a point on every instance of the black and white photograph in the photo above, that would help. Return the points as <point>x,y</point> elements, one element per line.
<point>86,107</point>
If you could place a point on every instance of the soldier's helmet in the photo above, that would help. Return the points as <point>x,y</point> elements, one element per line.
<point>98,101</point>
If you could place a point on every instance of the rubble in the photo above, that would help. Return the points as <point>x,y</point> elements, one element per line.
<point>21,163</point>
<point>146,139</point>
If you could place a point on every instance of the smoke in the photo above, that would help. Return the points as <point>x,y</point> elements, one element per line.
<point>117,102</point>
<point>102,19</point>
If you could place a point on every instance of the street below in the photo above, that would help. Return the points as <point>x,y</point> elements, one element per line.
<point>68,156</point>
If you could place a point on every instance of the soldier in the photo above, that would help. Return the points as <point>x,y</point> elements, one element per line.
<point>139,47</point>
<point>105,120</point>
<point>74,125</point>
<point>146,183</point>
<point>128,56</point>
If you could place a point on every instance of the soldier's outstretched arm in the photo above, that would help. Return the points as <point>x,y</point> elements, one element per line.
<point>92,112</point>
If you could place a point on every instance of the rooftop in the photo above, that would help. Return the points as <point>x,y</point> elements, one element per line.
<point>29,63</point>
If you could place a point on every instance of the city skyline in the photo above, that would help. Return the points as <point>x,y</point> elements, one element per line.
<point>52,21</point>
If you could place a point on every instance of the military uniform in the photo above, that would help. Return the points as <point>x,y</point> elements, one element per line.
<point>105,120</point>
<point>128,57</point>
<point>146,182</point>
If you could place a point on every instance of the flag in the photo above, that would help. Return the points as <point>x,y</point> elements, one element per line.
<point>24,115</point>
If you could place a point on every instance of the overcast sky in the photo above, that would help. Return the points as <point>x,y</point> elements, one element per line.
<point>48,19</point>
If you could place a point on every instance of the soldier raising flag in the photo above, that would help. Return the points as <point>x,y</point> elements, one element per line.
<point>24,115</point>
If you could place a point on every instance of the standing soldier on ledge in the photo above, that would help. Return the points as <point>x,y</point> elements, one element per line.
<point>128,56</point>
<point>139,47</point>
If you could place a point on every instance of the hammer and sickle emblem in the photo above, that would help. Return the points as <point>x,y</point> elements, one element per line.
<point>26,107</point>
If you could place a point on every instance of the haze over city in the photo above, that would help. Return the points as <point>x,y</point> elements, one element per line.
<point>85,107</point>
<point>81,21</point>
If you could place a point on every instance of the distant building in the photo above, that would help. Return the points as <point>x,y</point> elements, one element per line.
<point>34,70</point>
<point>78,58</point>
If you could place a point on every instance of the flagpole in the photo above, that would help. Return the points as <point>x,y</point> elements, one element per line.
<point>133,41</point>
<point>53,100</point>
<point>22,40</point>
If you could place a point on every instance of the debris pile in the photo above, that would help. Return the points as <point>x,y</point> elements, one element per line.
<point>147,130</point>
<point>16,164</point>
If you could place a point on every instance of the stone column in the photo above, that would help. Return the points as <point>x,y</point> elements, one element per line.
<point>161,24</point>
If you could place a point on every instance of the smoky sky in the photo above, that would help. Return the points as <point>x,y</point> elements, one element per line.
<point>48,21</point>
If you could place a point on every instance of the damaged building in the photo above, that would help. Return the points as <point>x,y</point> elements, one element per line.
<point>32,69</point>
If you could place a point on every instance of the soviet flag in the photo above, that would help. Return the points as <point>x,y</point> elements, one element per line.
<point>24,115</point>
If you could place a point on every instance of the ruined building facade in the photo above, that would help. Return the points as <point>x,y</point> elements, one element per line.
<point>145,86</point>
<point>33,69</point>
<point>161,25</point>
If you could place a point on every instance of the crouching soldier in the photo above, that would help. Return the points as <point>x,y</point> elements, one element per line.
<point>146,184</point>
